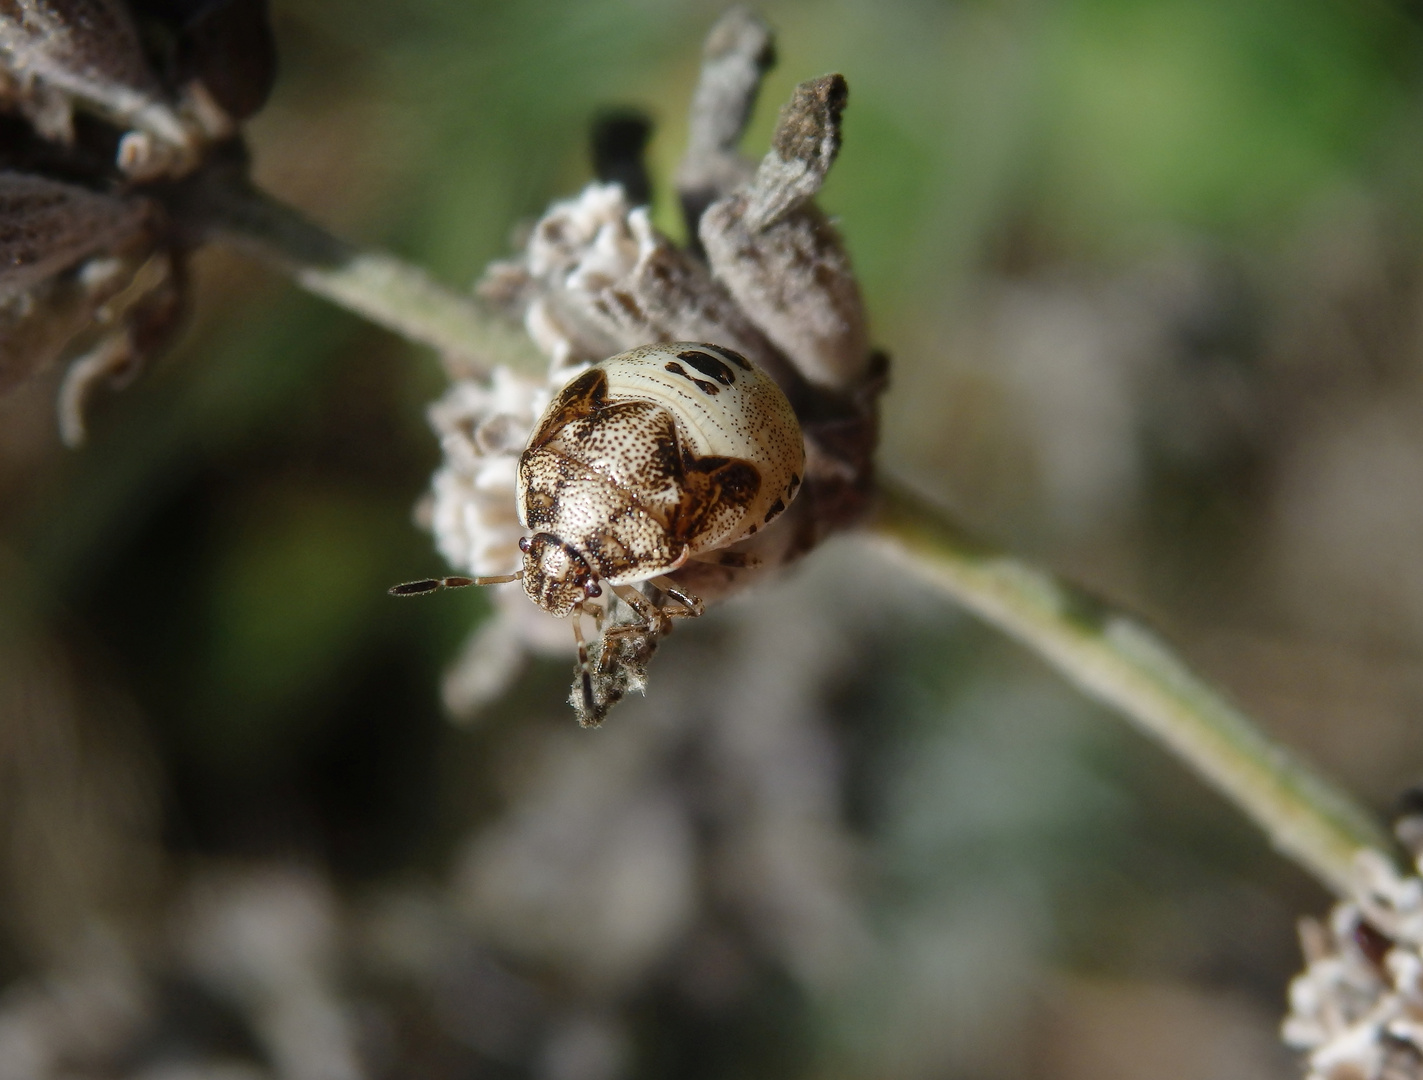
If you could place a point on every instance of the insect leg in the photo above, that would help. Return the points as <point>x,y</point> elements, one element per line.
<point>692,604</point>
<point>429,585</point>
<point>646,610</point>
<point>739,560</point>
<point>585,676</point>
<point>596,611</point>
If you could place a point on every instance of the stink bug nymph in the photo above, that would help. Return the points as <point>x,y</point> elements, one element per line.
<point>644,461</point>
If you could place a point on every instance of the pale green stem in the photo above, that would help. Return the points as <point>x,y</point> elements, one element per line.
<point>1114,658</point>
<point>381,287</point>
<point>1107,654</point>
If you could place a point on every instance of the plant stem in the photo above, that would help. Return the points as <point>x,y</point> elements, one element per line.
<point>1117,660</point>
<point>378,286</point>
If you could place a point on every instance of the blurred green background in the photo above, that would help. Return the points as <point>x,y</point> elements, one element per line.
<point>1149,274</point>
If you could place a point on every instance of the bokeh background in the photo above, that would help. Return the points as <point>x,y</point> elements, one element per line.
<point>1149,271</point>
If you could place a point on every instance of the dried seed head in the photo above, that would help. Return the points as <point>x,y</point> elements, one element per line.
<point>597,279</point>
<point>90,266</point>
<point>1355,1011</point>
<point>62,56</point>
<point>89,50</point>
<point>47,226</point>
<point>80,272</point>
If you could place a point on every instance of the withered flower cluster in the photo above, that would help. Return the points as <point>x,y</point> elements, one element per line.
<point>104,106</point>
<point>765,273</point>
<point>1356,1011</point>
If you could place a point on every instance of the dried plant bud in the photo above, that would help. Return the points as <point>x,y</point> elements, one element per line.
<point>87,49</point>
<point>80,273</point>
<point>227,46</point>
<point>63,53</point>
<point>596,280</point>
<point>59,56</point>
<point>804,147</point>
<point>1355,1010</point>
<point>739,51</point>
<point>48,232</point>
<point>781,258</point>
<point>47,226</point>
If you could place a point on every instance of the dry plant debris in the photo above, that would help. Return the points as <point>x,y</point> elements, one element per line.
<point>104,106</point>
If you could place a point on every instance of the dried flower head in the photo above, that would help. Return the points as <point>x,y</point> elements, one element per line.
<point>1357,1010</point>
<point>768,279</point>
<point>81,273</point>
<point>103,105</point>
<point>62,57</point>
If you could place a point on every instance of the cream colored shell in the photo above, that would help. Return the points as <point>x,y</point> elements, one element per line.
<point>735,411</point>
<point>651,457</point>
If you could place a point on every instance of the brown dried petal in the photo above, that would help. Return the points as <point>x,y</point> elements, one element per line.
<point>34,329</point>
<point>47,226</point>
<point>230,48</point>
<point>670,296</point>
<point>598,279</point>
<point>781,258</point>
<point>806,144</point>
<point>739,51</point>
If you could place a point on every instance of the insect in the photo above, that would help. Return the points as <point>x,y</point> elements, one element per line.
<point>646,460</point>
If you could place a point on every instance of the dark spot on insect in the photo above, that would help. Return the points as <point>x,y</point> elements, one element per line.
<point>582,397</point>
<point>734,356</point>
<point>709,366</point>
<point>524,544</point>
<point>752,531</point>
<point>776,508</point>
<point>704,387</point>
<point>794,485</point>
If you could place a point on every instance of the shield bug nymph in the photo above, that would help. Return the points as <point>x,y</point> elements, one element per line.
<point>644,461</point>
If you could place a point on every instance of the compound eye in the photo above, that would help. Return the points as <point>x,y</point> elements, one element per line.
<point>524,544</point>
<point>592,589</point>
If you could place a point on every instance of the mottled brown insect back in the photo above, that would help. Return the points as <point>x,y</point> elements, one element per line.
<point>648,459</point>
